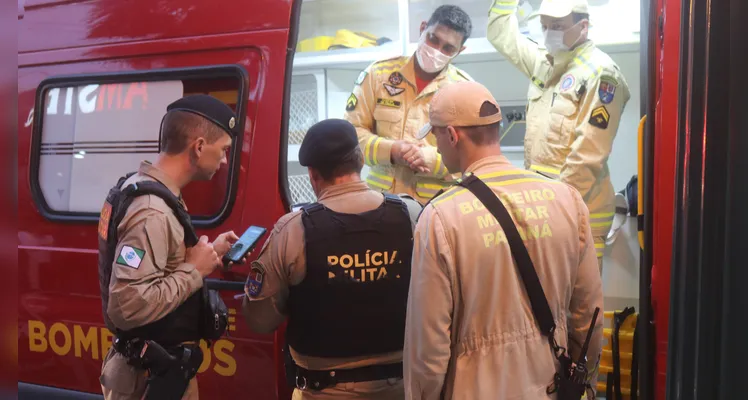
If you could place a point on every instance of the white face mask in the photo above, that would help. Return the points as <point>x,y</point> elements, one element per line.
<point>554,40</point>
<point>430,59</point>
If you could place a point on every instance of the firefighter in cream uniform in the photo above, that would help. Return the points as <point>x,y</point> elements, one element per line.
<point>576,97</point>
<point>389,105</point>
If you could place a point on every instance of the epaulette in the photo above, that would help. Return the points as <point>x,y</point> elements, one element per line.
<point>459,75</point>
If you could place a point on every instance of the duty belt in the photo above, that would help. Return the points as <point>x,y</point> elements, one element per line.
<point>318,380</point>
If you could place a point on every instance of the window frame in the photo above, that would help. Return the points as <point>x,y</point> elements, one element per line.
<point>212,71</point>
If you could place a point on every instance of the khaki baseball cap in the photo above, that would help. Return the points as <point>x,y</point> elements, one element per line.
<point>562,8</point>
<point>460,104</point>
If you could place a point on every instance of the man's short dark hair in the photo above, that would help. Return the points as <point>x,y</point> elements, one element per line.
<point>483,135</point>
<point>452,17</point>
<point>579,17</point>
<point>351,163</point>
<point>179,128</point>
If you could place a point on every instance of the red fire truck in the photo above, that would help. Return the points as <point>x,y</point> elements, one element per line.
<point>94,77</point>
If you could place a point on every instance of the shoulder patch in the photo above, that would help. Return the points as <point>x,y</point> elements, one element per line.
<point>253,287</point>
<point>361,77</point>
<point>352,102</point>
<point>607,89</point>
<point>130,256</point>
<point>567,82</point>
<point>600,117</point>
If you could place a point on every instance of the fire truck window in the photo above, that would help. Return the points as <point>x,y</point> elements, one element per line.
<point>92,134</point>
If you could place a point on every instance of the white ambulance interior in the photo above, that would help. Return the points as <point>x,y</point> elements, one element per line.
<point>323,80</point>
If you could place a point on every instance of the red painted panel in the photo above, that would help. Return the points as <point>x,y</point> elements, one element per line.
<point>49,25</point>
<point>58,282</point>
<point>665,147</point>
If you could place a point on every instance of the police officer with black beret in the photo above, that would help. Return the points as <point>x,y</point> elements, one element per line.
<point>339,271</point>
<point>152,264</point>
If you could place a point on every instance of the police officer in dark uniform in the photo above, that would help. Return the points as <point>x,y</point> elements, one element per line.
<point>152,264</point>
<point>339,270</point>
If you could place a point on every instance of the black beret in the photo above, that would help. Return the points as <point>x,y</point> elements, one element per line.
<point>327,142</point>
<point>208,107</point>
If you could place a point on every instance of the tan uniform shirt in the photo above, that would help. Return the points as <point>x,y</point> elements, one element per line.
<point>146,288</point>
<point>574,109</point>
<point>385,106</point>
<point>283,260</point>
<point>470,329</point>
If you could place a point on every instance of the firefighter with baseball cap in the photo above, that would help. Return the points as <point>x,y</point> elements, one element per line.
<point>576,97</point>
<point>469,329</point>
<point>388,106</point>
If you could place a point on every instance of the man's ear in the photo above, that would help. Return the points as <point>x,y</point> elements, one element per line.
<point>454,137</point>
<point>424,25</point>
<point>199,146</point>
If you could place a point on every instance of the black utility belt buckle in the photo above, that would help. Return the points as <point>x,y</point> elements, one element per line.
<point>320,380</point>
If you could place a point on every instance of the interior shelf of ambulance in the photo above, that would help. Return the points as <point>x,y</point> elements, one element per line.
<point>355,33</point>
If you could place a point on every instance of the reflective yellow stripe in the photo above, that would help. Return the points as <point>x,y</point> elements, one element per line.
<point>505,173</point>
<point>367,150</point>
<point>582,60</point>
<point>438,164</point>
<point>380,181</point>
<point>434,186</point>
<point>496,184</point>
<point>601,224</point>
<point>599,245</point>
<point>549,170</point>
<point>374,160</point>
<point>602,215</point>
<point>599,254</point>
<point>503,8</point>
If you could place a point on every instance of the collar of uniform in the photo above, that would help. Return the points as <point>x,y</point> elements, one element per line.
<point>343,188</point>
<point>489,161</point>
<point>408,71</point>
<point>146,168</point>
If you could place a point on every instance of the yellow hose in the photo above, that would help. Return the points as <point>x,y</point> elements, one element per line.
<point>640,184</point>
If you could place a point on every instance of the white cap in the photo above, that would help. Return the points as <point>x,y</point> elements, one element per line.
<point>562,8</point>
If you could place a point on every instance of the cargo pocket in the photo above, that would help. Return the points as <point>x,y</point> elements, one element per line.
<point>562,121</point>
<point>388,122</point>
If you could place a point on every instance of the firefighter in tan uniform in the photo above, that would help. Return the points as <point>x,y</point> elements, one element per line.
<point>389,105</point>
<point>576,97</point>
<point>152,281</point>
<point>338,270</point>
<point>470,332</point>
